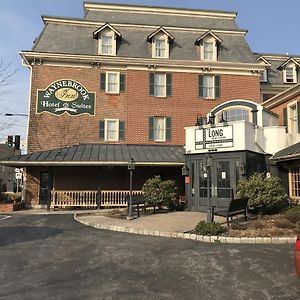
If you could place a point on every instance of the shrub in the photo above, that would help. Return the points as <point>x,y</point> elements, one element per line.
<point>292,214</point>
<point>264,194</point>
<point>212,228</point>
<point>159,192</point>
<point>283,223</point>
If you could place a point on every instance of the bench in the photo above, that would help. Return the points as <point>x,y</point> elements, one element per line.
<point>236,207</point>
<point>139,200</point>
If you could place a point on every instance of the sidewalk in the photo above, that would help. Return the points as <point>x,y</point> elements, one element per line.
<point>179,221</point>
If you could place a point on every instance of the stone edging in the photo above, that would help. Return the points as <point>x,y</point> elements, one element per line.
<point>195,237</point>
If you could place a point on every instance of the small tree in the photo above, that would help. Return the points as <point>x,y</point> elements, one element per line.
<point>159,192</point>
<point>264,194</point>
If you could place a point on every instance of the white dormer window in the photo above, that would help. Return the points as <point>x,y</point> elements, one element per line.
<point>160,46</point>
<point>160,40</point>
<point>208,44</point>
<point>264,75</point>
<point>290,74</point>
<point>107,39</point>
<point>106,42</point>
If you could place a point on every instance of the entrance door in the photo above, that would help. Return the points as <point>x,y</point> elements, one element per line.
<point>219,180</point>
<point>45,187</point>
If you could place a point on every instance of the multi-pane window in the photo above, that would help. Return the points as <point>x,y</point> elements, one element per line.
<point>295,182</point>
<point>160,47</point>
<point>237,114</point>
<point>112,130</point>
<point>208,50</point>
<point>159,129</point>
<point>208,87</point>
<point>160,84</point>
<point>264,76</point>
<point>289,74</point>
<point>107,44</point>
<point>112,82</point>
<point>293,120</point>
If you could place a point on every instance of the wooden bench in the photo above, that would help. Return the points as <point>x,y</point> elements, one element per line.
<point>236,207</point>
<point>140,202</point>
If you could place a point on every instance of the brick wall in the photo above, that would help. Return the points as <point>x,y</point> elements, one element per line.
<point>48,131</point>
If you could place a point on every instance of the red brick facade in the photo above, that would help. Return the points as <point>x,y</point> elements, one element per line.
<point>135,106</point>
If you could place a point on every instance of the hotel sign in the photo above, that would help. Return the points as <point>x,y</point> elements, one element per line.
<point>66,96</point>
<point>214,137</point>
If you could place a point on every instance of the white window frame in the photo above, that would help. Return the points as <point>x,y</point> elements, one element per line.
<point>209,40</point>
<point>292,119</point>
<point>164,86</point>
<point>205,88</point>
<point>250,119</point>
<point>111,34</point>
<point>294,70</point>
<point>264,75</point>
<point>160,37</point>
<point>165,129</point>
<point>117,91</point>
<point>106,121</point>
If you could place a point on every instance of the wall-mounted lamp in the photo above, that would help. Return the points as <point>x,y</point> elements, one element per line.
<point>200,120</point>
<point>211,119</point>
<point>242,169</point>
<point>223,118</point>
<point>185,170</point>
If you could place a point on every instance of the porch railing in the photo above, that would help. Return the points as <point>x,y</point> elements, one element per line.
<point>89,199</point>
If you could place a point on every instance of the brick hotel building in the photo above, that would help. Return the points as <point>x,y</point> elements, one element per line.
<point>124,81</point>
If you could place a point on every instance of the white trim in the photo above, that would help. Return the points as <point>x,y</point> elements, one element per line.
<point>165,129</point>
<point>107,82</point>
<point>117,121</point>
<point>289,117</point>
<point>159,10</point>
<point>294,70</point>
<point>164,38</point>
<point>165,85</point>
<point>208,40</point>
<point>112,35</point>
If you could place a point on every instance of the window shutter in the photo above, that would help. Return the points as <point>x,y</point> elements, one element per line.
<point>101,129</point>
<point>285,123</point>
<point>168,128</point>
<point>122,82</point>
<point>121,130</point>
<point>151,129</point>
<point>169,84</point>
<point>217,86</point>
<point>151,84</point>
<point>102,81</point>
<point>200,86</point>
<point>298,116</point>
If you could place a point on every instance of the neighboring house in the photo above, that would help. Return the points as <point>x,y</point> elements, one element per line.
<point>7,174</point>
<point>122,82</point>
<point>281,73</point>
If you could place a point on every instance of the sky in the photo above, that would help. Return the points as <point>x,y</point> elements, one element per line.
<point>271,24</point>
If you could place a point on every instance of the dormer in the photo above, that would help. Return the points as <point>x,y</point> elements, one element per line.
<point>264,74</point>
<point>107,37</point>
<point>160,40</point>
<point>209,45</point>
<point>289,68</point>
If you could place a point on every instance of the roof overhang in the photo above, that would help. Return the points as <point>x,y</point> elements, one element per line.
<point>159,30</point>
<point>290,60</point>
<point>208,33</point>
<point>105,26</point>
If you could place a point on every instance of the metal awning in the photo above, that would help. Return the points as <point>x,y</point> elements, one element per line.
<point>102,155</point>
<point>290,153</point>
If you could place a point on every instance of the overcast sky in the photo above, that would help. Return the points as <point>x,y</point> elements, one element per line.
<point>272,28</point>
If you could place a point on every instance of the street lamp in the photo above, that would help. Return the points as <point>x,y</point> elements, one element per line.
<point>131,167</point>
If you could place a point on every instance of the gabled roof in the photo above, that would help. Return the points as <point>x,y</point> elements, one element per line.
<point>102,155</point>
<point>158,30</point>
<point>264,60</point>
<point>289,153</point>
<point>106,25</point>
<point>209,32</point>
<point>291,59</point>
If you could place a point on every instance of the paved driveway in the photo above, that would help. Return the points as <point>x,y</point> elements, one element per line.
<point>54,257</point>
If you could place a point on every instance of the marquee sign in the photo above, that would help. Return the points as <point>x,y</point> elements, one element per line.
<point>66,96</point>
<point>214,137</point>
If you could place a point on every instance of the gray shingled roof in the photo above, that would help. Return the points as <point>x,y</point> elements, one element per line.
<point>72,39</point>
<point>102,154</point>
<point>291,152</point>
<point>129,17</point>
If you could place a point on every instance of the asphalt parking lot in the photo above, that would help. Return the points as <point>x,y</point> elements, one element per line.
<point>54,257</point>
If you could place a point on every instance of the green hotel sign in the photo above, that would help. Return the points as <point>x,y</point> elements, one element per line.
<point>66,96</point>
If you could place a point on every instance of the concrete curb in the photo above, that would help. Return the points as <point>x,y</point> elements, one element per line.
<point>195,237</point>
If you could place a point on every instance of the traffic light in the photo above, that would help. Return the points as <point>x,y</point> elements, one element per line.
<point>17,142</point>
<point>10,142</point>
